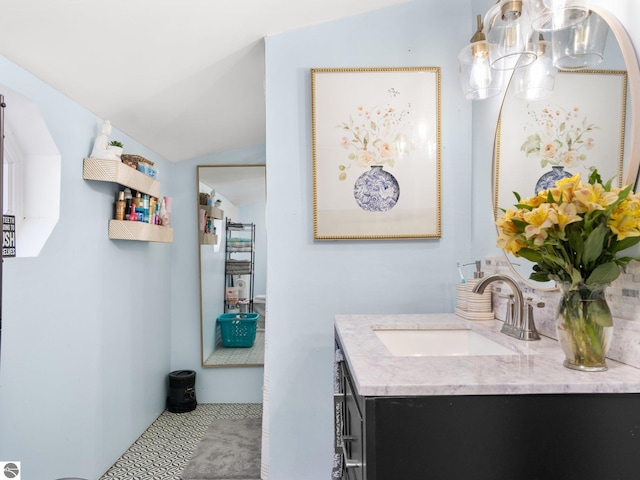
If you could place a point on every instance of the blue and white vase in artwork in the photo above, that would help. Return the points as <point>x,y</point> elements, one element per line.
<point>376,190</point>
<point>549,179</point>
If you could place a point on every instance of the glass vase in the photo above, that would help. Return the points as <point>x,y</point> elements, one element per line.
<point>584,326</point>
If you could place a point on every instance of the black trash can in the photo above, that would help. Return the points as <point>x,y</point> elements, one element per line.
<point>182,391</point>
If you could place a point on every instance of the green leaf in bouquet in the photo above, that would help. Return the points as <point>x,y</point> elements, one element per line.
<point>604,274</point>
<point>594,244</point>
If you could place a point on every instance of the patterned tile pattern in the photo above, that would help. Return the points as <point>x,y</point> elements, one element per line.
<point>164,449</point>
<point>252,356</point>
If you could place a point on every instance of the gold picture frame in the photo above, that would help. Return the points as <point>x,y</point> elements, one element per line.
<point>376,153</point>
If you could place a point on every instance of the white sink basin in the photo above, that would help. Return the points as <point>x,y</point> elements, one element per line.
<point>437,343</point>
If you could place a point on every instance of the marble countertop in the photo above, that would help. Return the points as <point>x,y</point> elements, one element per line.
<point>536,369</point>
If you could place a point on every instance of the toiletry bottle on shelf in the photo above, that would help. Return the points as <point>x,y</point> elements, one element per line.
<point>120,206</point>
<point>128,199</point>
<point>131,216</point>
<point>152,210</point>
<point>140,214</point>
<point>165,211</point>
<point>145,208</point>
<point>156,215</point>
<point>137,207</point>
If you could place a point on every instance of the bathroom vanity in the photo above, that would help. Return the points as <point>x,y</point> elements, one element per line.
<point>480,406</point>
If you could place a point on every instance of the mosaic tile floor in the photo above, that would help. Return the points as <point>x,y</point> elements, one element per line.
<point>252,356</point>
<point>164,449</point>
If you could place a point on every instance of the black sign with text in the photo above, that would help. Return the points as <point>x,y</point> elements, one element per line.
<point>8,236</point>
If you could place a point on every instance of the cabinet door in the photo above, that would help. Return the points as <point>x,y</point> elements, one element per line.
<point>353,447</point>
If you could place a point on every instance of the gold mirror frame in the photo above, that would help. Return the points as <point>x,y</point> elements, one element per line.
<point>632,134</point>
<point>228,357</point>
<point>633,79</point>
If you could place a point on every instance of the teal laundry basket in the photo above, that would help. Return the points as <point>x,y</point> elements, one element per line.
<point>238,330</point>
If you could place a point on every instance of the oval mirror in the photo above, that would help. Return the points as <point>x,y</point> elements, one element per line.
<point>587,121</point>
<point>234,201</point>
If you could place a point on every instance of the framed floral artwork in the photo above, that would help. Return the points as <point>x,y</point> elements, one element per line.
<point>376,153</point>
<point>578,128</point>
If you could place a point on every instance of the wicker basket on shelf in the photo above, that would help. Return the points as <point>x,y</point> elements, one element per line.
<point>204,198</point>
<point>133,160</point>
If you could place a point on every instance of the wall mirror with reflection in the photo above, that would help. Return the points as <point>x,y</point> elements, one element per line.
<point>584,121</point>
<point>236,195</point>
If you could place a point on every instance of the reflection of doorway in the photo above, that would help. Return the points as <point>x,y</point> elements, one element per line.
<point>241,190</point>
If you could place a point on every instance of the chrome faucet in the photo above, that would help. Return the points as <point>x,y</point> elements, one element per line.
<point>519,319</point>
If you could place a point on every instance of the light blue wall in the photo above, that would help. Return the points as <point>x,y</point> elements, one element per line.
<point>311,281</point>
<point>85,325</point>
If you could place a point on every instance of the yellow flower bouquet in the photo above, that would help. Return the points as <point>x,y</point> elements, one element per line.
<point>573,233</point>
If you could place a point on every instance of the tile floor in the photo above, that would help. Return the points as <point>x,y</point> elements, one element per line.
<point>164,449</point>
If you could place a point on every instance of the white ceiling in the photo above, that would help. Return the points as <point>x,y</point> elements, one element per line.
<point>183,77</point>
<point>241,185</point>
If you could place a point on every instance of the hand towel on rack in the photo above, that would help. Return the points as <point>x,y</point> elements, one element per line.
<point>238,267</point>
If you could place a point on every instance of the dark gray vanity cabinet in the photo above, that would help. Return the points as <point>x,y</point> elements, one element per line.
<point>489,437</point>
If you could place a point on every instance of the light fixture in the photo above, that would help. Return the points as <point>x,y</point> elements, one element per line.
<point>508,29</point>
<point>580,46</point>
<point>476,76</point>
<point>536,81</point>
<point>576,39</point>
<point>554,15</point>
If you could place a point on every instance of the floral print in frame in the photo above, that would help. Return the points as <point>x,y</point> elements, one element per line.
<point>376,153</point>
<point>579,128</point>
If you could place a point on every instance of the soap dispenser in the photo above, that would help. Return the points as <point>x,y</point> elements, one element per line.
<point>478,273</point>
<point>478,305</point>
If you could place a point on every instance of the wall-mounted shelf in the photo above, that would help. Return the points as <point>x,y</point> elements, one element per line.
<point>117,172</point>
<point>208,239</point>
<point>145,232</point>
<point>213,211</point>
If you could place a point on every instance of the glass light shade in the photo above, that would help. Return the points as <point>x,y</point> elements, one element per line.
<point>553,15</point>
<point>507,33</point>
<point>477,78</point>
<point>536,81</point>
<point>580,46</point>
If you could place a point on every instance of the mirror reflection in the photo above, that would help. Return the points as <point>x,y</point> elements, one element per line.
<point>579,125</point>
<point>232,262</point>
